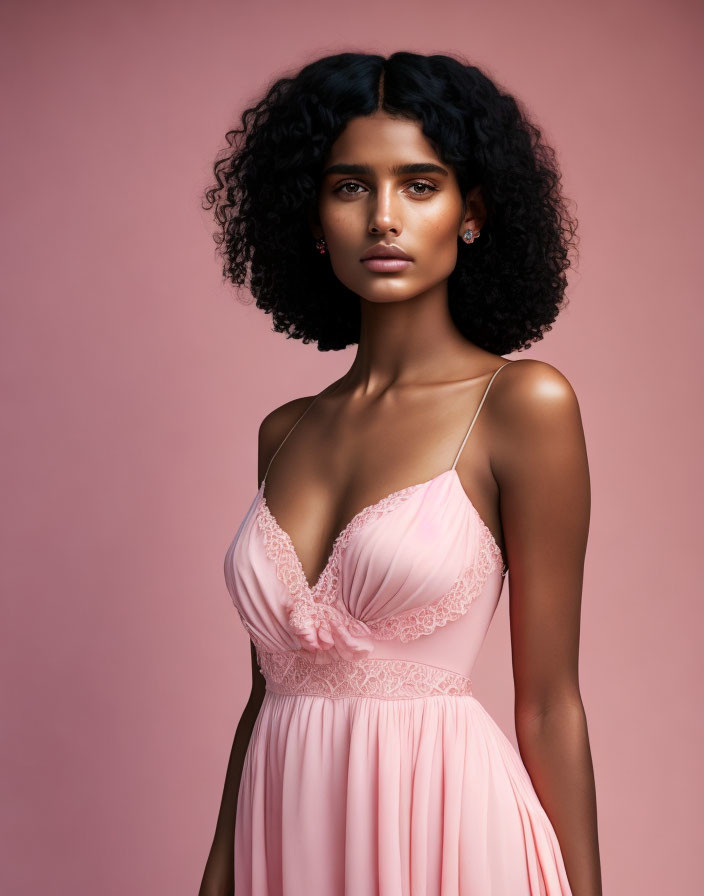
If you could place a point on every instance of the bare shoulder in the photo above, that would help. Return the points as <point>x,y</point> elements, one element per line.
<point>273,428</point>
<point>283,417</point>
<point>528,391</point>
<point>535,418</point>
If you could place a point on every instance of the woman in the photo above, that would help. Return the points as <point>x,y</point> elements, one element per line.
<point>408,206</point>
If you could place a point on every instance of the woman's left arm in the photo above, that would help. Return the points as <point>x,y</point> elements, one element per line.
<point>539,460</point>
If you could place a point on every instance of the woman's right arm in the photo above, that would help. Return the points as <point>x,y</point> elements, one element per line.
<point>218,877</point>
<point>219,874</point>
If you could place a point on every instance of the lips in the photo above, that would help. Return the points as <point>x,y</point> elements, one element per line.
<point>383,251</point>
<point>386,265</point>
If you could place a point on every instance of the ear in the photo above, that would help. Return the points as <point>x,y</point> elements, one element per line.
<point>474,215</point>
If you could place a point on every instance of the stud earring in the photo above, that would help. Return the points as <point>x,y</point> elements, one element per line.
<point>321,246</point>
<point>469,236</point>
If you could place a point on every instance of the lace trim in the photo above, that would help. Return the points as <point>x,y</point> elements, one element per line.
<point>452,605</point>
<point>319,619</point>
<point>294,674</point>
<point>281,550</point>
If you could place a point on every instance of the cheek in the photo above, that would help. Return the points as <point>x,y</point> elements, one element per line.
<point>441,225</point>
<point>439,245</point>
<point>340,220</point>
<point>440,263</point>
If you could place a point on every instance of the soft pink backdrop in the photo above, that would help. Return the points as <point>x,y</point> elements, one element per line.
<point>133,386</point>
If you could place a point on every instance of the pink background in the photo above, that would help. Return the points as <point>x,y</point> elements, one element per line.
<point>133,385</point>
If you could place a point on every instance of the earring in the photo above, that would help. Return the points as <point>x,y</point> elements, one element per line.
<point>321,246</point>
<point>469,236</point>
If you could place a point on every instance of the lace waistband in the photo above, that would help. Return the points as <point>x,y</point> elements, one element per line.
<point>392,679</point>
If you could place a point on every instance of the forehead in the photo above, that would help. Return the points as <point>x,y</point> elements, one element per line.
<point>382,141</point>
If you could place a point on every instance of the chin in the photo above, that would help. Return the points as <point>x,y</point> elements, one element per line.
<point>390,300</point>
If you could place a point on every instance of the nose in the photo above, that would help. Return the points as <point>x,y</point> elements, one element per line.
<point>384,212</point>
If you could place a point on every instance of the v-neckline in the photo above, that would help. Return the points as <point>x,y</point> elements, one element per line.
<point>375,505</point>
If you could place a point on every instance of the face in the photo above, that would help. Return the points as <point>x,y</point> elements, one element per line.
<point>384,184</point>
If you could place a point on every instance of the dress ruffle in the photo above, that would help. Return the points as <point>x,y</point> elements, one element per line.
<point>328,631</point>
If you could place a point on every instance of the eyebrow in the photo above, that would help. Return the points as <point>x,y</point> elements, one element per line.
<point>415,168</point>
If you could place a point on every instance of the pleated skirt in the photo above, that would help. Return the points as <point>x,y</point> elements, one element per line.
<point>361,796</point>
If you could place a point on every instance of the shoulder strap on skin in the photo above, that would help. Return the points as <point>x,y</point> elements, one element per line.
<point>310,405</point>
<point>486,392</point>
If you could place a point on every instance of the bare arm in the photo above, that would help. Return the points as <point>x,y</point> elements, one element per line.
<point>218,877</point>
<point>540,463</point>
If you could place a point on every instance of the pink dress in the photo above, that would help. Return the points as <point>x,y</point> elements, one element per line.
<point>372,770</point>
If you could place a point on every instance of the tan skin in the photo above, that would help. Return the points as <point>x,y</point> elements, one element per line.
<point>398,417</point>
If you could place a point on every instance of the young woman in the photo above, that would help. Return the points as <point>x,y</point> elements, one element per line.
<point>406,205</point>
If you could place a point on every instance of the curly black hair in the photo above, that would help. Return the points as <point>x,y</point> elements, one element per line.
<point>502,295</point>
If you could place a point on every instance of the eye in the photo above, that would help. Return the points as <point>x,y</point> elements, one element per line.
<point>427,187</point>
<point>349,183</point>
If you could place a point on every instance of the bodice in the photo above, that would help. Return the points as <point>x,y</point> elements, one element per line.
<point>401,607</point>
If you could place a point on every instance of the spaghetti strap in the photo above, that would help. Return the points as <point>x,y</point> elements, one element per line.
<point>476,414</point>
<point>310,405</point>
